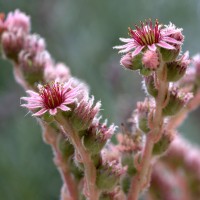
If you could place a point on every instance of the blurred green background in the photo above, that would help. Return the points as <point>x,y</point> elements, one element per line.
<point>81,34</point>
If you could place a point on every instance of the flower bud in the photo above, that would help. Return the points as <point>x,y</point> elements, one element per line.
<point>12,44</point>
<point>97,136</point>
<point>175,37</point>
<point>65,147</point>
<point>149,85</point>
<point>58,72</point>
<point>128,161</point>
<point>129,143</point>
<point>17,20</point>
<point>83,86</point>
<point>177,100</point>
<point>32,66</point>
<point>162,145</point>
<point>177,69</point>
<point>84,113</point>
<point>169,55</point>
<point>108,175</point>
<point>34,44</point>
<point>132,63</point>
<point>150,60</point>
<point>63,72</point>
<point>142,114</point>
<point>145,72</point>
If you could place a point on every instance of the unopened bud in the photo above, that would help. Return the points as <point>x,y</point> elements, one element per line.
<point>162,145</point>
<point>84,113</point>
<point>34,44</point>
<point>32,66</point>
<point>65,147</point>
<point>177,69</point>
<point>150,60</point>
<point>132,63</point>
<point>108,175</point>
<point>150,87</point>
<point>177,100</point>
<point>12,44</point>
<point>18,20</point>
<point>128,161</point>
<point>145,72</point>
<point>97,136</point>
<point>142,113</point>
<point>169,55</point>
<point>177,38</point>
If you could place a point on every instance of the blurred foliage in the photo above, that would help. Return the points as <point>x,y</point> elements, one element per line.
<point>81,34</point>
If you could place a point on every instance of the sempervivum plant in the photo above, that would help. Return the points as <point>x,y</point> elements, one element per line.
<point>91,165</point>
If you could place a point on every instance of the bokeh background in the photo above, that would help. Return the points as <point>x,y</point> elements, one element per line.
<point>80,33</point>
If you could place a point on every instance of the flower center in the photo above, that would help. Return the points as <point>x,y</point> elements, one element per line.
<point>52,95</point>
<point>146,34</point>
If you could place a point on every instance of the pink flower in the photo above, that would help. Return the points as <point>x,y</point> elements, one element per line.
<point>51,97</point>
<point>150,36</point>
<point>18,20</point>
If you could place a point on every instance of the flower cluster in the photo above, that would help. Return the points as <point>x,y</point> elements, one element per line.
<point>90,164</point>
<point>150,40</point>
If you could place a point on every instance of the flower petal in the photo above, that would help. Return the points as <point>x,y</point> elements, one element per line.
<point>32,93</point>
<point>152,47</point>
<point>127,49</point>
<point>137,50</point>
<point>165,45</point>
<point>53,111</point>
<point>171,40</point>
<point>69,101</point>
<point>64,108</point>
<point>126,40</point>
<point>31,106</point>
<point>40,112</point>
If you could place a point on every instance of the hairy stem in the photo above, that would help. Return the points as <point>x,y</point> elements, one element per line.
<point>140,179</point>
<point>89,168</point>
<point>50,138</point>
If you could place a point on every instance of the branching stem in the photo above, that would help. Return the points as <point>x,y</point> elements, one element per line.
<point>140,179</point>
<point>89,167</point>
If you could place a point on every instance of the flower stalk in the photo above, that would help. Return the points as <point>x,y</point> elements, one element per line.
<point>157,125</point>
<point>85,157</point>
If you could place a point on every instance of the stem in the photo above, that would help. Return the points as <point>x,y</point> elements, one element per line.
<point>50,137</point>
<point>90,169</point>
<point>67,179</point>
<point>140,179</point>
